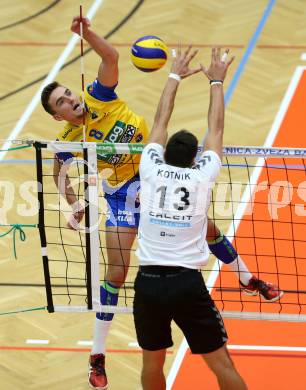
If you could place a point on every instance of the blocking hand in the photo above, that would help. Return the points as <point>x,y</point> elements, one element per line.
<point>75,25</point>
<point>181,61</point>
<point>219,65</point>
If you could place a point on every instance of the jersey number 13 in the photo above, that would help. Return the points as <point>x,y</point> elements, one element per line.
<point>184,199</point>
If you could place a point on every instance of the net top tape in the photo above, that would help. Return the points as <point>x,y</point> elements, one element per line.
<point>125,148</point>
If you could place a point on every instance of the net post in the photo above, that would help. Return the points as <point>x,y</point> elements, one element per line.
<point>92,226</point>
<point>41,226</point>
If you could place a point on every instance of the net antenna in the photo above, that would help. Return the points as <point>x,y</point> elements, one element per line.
<point>82,72</point>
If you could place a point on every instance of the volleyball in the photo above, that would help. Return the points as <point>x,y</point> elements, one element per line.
<point>149,53</point>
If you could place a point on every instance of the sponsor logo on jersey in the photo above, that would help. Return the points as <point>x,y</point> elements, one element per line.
<point>139,137</point>
<point>170,216</point>
<point>116,132</point>
<point>64,136</point>
<point>128,134</point>
<point>94,115</point>
<point>125,216</point>
<point>119,133</point>
<point>113,136</point>
<point>164,234</point>
<point>105,114</point>
<point>170,223</point>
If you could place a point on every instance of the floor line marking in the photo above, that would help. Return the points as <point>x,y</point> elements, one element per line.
<point>35,341</point>
<point>248,51</point>
<point>63,349</point>
<point>266,348</point>
<point>87,343</point>
<point>273,355</point>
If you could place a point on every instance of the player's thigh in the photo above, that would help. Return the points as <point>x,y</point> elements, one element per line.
<point>119,241</point>
<point>152,318</point>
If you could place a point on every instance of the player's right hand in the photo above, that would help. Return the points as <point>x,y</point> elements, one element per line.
<point>181,61</point>
<point>75,25</point>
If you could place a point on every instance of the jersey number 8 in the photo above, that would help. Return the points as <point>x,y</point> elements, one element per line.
<point>96,134</point>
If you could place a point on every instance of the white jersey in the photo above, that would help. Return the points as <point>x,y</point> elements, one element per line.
<point>174,204</point>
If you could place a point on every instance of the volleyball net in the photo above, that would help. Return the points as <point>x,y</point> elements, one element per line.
<point>258,202</point>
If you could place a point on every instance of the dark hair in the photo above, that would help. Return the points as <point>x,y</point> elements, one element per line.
<point>181,149</point>
<point>45,96</point>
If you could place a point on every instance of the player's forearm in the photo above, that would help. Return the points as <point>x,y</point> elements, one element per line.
<point>69,193</point>
<point>216,109</point>
<point>166,104</point>
<point>214,138</point>
<point>64,186</point>
<point>101,46</point>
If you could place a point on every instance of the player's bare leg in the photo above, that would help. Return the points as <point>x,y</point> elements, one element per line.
<point>222,248</point>
<point>119,241</point>
<point>152,375</point>
<point>223,367</point>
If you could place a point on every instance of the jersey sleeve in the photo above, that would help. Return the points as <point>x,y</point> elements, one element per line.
<point>101,92</point>
<point>152,155</point>
<point>64,156</point>
<point>209,163</point>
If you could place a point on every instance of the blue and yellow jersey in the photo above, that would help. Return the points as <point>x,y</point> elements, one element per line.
<point>108,119</point>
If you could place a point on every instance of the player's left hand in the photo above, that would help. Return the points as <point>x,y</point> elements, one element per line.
<point>75,25</point>
<point>181,61</point>
<point>76,217</point>
<point>219,64</point>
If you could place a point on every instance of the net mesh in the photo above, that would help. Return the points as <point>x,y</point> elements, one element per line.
<point>258,202</point>
<point>262,205</point>
<point>66,248</point>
